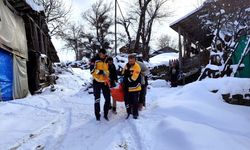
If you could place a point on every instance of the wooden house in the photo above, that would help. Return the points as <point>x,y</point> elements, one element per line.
<point>38,41</point>
<point>194,43</point>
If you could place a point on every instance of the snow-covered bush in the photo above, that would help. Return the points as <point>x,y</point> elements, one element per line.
<point>228,21</point>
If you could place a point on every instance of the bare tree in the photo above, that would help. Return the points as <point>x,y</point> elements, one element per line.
<point>145,14</point>
<point>126,24</point>
<point>154,13</point>
<point>98,18</point>
<point>57,15</point>
<point>91,43</point>
<point>143,5</point>
<point>166,41</point>
<point>73,39</point>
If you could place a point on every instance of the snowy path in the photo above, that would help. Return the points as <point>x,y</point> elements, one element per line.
<point>179,118</point>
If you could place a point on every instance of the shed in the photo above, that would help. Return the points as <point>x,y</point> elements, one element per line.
<point>13,55</point>
<point>38,41</point>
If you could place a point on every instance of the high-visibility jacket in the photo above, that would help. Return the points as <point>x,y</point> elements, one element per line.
<point>99,69</point>
<point>132,78</point>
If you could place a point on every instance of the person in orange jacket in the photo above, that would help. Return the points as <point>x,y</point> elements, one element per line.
<point>132,86</point>
<point>100,72</point>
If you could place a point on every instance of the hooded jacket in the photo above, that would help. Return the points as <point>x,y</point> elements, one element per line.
<point>99,69</point>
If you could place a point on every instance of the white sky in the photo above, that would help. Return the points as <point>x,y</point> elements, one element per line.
<point>180,8</point>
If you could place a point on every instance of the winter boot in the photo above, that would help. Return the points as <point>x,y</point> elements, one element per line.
<point>114,110</point>
<point>140,106</point>
<point>98,118</point>
<point>135,117</point>
<point>106,118</point>
<point>127,116</point>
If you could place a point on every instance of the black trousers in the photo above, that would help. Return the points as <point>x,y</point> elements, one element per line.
<point>142,97</point>
<point>131,102</point>
<point>98,87</point>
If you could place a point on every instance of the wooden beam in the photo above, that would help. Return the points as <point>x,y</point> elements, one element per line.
<point>29,34</point>
<point>20,5</point>
<point>46,45</point>
<point>180,48</point>
<point>38,36</point>
<point>11,7</point>
<point>185,42</point>
<point>42,43</point>
<point>12,51</point>
<point>35,37</point>
<point>32,20</point>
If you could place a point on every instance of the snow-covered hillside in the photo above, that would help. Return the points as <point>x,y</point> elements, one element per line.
<point>183,118</point>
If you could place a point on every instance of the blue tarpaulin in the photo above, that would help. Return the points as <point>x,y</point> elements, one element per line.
<point>6,75</point>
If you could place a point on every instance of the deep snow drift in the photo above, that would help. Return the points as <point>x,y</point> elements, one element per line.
<point>189,117</point>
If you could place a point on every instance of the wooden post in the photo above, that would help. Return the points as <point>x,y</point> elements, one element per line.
<point>35,37</point>
<point>46,44</point>
<point>42,43</point>
<point>181,54</point>
<point>180,49</point>
<point>185,48</point>
<point>200,54</point>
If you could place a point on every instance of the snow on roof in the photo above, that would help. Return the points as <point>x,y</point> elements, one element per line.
<point>163,59</point>
<point>35,6</point>
<point>43,56</point>
<point>187,15</point>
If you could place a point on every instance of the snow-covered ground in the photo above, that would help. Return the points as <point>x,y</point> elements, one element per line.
<point>183,118</point>
<point>163,59</point>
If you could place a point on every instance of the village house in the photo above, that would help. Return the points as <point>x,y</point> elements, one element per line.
<point>25,47</point>
<point>129,48</point>
<point>164,50</point>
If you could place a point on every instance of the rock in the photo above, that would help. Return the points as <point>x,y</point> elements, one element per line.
<point>214,91</point>
<point>238,96</point>
<point>226,97</point>
<point>160,72</point>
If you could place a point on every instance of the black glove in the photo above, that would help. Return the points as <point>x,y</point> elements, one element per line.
<point>127,73</point>
<point>101,72</point>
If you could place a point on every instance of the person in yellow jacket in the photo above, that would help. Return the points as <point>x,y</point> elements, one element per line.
<point>132,86</point>
<point>100,72</point>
